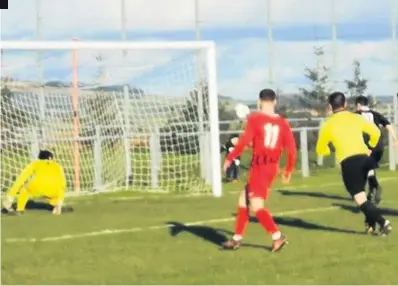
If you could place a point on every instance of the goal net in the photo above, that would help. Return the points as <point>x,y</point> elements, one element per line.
<point>116,115</point>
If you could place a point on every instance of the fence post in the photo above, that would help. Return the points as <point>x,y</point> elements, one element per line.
<point>156,157</point>
<point>391,154</point>
<point>395,150</point>
<point>305,169</point>
<point>35,146</point>
<point>97,160</point>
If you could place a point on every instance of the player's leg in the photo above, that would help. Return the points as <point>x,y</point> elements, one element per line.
<point>259,187</point>
<point>354,173</point>
<point>229,173</point>
<point>237,172</point>
<point>375,189</point>
<point>242,219</point>
<point>266,220</point>
<point>25,193</point>
<point>22,200</point>
<point>234,172</point>
<point>31,190</point>
<point>55,196</point>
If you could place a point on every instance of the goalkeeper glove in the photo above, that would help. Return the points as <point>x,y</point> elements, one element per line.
<point>57,210</point>
<point>7,204</point>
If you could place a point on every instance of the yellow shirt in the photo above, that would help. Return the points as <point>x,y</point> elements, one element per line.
<point>345,130</point>
<point>45,176</point>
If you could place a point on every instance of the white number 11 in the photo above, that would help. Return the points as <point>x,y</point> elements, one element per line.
<point>271,135</point>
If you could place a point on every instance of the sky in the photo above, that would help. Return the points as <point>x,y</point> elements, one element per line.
<point>238,27</point>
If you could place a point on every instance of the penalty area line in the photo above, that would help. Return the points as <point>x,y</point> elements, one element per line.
<point>156,227</point>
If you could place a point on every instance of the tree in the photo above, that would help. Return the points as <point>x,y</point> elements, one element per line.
<point>315,98</point>
<point>358,85</point>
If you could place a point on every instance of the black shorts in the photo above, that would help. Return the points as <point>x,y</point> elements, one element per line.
<point>355,171</point>
<point>377,155</point>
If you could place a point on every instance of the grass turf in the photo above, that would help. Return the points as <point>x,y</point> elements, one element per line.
<point>327,244</point>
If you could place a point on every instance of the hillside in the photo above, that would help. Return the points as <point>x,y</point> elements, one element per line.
<point>290,101</point>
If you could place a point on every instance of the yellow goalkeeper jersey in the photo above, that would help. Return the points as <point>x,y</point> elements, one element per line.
<point>44,176</point>
<point>345,130</point>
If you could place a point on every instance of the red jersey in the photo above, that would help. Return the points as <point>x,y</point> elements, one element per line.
<point>269,135</point>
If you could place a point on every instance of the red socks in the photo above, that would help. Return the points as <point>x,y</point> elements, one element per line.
<point>242,219</point>
<point>264,217</point>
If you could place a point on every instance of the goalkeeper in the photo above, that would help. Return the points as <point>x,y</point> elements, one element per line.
<point>41,178</point>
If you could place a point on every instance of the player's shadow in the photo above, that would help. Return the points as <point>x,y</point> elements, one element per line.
<point>40,206</point>
<point>300,223</point>
<point>355,209</point>
<point>313,194</point>
<point>43,206</point>
<point>212,235</point>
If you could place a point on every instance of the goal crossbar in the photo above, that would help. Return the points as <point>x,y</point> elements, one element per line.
<point>91,45</point>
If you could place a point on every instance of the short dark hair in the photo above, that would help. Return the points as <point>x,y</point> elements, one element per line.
<point>45,155</point>
<point>337,100</point>
<point>267,95</point>
<point>362,100</point>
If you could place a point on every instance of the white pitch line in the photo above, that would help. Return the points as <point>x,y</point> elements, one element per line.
<point>203,195</point>
<point>120,199</point>
<point>384,179</point>
<point>156,227</point>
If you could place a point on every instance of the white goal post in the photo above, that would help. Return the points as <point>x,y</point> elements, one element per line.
<point>117,115</point>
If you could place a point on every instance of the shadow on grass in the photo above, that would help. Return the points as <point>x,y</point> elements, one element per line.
<point>217,236</point>
<point>313,194</point>
<point>41,206</point>
<point>355,209</point>
<point>300,223</point>
<point>212,235</point>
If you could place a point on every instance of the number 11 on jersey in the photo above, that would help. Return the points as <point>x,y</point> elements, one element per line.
<point>271,135</point>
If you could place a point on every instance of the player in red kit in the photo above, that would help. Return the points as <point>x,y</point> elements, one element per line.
<point>269,135</point>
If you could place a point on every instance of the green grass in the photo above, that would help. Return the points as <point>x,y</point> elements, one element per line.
<point>327,246</point>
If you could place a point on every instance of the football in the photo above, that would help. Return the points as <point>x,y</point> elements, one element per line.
<point>242,110</point>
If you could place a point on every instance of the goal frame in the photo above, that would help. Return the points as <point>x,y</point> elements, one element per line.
<point>209,49</point>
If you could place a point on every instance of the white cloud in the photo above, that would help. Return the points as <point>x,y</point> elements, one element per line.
<point>291,58</point>
<point>165,72</point>
<point>65,18</point>
<point>243,66</point>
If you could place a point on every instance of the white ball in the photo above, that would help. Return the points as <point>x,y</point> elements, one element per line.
<point>242,111</point>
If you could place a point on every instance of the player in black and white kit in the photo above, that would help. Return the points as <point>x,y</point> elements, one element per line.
<point>362,105</point>
<point>233,170</point>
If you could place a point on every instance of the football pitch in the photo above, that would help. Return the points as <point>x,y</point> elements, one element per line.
<point>136,238</point>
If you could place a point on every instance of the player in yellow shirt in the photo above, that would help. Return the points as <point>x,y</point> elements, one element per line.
<point>345,131</point>
<point>41,178</point>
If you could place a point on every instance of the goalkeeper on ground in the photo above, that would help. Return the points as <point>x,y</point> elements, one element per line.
<point>41,178</point>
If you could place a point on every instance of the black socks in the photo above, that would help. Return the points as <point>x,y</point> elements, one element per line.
<point>372,213</point>
<point>373,182</point>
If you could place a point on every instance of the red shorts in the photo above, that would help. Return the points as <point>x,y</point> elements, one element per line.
<point>260,181</point>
